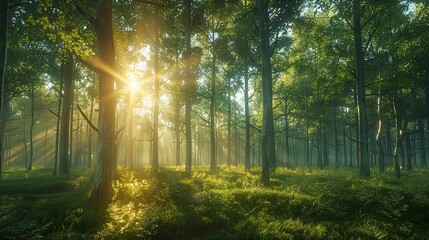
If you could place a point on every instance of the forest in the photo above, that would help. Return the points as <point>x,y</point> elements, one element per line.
<point>214,119</point>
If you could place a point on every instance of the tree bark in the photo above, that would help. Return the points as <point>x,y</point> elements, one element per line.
<point>212,110</point>
<point>381,161</point>
<point>422,143</point>
<point>155,138</point>
<point>63,156</point>
<point>364,168</point>
<point>337,145</point>
<point>319,134</point>
<point>288,164</point>
<point>102,189</point>
<point>32,123</point>
<point>188,87</point>
<point>306,144</point>
<point>58,126</point>
<point>427,97</point>
<point>25,152</point>
<point>4,17</point>
<point>228,156</point>
<point>398,137</point>
<point>247,119</point>
<point>177,127</point>
<point>90,131</point>
<point>268,140</point>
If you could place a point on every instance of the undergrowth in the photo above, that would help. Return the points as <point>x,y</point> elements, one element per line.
<point>225,204</point>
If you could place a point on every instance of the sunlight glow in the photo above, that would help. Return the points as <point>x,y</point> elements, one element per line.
<point>133,84</point>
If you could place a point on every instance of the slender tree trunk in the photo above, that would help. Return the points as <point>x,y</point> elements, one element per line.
<point>422,143</point>
<point>288,165</point>
<point>81,147</point>
<point>4,17</point>
<point>71,147</point>
<point>325,147</point>
<point>337,145</point>
<point>306,144</point>
<point>155,137</point>
<point>319,135</point>
<point>58,127</point>
<point>188,87</point>
<point>345,144</point>
<point>177,127</point>
<point>268,138</point>
<point>25,152</point>
<point>381,161</point>
<point>228,157</point>
<point>364,168</point>
<point>212,110</point>
<point>102,188</point>
<point>388,141</point>
<point>427,98</point>
<point>63,156</point>
<point>398,137</point>
<point>247,119</point>
<point>90,131</point>
<point>32,123</point>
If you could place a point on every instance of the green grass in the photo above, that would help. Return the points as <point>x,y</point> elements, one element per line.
<point>226,204</point>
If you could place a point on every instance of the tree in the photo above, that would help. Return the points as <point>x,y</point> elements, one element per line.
<point>189,86</point>
<point>102,189</point>
<point>268,140</point>
<point>4,17</point>
<point>364,168</point>
<point>63,152</point>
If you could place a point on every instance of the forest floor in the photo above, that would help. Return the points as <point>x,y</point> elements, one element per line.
<point>226,204</point>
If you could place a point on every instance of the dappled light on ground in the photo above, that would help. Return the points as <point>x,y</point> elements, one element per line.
<point>226,204</point>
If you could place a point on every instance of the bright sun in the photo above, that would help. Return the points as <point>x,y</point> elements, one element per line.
<point>133,85</point>
<point>132,82</point>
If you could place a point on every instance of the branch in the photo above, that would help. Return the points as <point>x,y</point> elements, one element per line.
<point>56,115</point>
<point>375,15</point>
<point>202,118</point>
<point>87,119</point>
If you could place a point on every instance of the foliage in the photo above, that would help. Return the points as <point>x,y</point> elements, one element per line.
<point>228,203</point>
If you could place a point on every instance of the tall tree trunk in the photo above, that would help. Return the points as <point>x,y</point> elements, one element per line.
<point>32,123</point>
<point>337,145</point>
<point>381,161</point>
<point>228,156</point>
<point>58,126</point>
<point>247,119</point>
<point>212,110</point>
<point>155,138</point>
<point>306,137</point>
<point>345,144</point>
<point>288,164</point>
<point>177,126</point>
<point>398,137</point>
<point>102,189</point>
<point>325,147</point>
<point>71,124</point>
<point>319,134</point>
<point>4,17</point>
<point>63,156</point>
<point>427,98</point>
<point>25,152</point>
<point>90,131</point>
<point>422,143</point>
<point>188,87</point>
<point>364,168</point>
<point>268,139</point>
<point>388,141</point>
